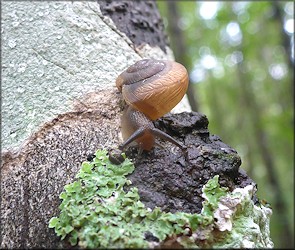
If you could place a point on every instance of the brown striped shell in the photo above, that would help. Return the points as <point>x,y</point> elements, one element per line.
<point>153,87</point>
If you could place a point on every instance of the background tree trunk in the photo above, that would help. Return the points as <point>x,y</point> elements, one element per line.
<point>180,51</point>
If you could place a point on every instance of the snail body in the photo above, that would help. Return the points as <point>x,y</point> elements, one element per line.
<point>151,88</point>
<point>133,120</point>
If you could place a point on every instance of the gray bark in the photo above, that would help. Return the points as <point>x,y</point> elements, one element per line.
<point>59,104</point>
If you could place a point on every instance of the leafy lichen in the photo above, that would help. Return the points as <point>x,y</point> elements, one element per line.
<point>96,212</point>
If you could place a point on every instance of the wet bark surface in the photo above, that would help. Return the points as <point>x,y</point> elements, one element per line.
<point>168,178</point>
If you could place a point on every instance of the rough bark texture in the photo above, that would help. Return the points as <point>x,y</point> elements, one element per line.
<point>140,21</point>
<point>169,179</point>
<point>55,52</point>
<point>33,179</point>
<point>59,102</point>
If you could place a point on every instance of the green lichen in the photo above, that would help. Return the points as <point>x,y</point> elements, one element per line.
<point>249,223</point>
<point>96,212</point>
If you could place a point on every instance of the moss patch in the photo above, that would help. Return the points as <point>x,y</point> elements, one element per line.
<point>96,212</point>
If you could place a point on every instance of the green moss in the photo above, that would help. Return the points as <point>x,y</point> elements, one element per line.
<point>96,212</point>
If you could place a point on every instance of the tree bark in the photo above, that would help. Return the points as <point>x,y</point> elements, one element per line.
<point>60,104</point>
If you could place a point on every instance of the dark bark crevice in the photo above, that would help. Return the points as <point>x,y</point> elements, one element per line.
<point>139,20</point>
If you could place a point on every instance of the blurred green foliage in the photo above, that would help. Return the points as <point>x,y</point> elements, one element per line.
<point>242,71</point>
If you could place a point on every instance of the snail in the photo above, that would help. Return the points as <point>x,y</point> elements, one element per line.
<point>151,88</point>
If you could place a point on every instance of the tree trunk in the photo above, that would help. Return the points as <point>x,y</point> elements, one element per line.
<point>181,52</point>
<point>60,62</point>
<point>60,104</point>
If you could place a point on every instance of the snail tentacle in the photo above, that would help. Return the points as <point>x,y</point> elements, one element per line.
<point>164,136</point>
<point>138,133</point>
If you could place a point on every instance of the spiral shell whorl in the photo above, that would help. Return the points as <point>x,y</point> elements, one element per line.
<point>139,71</point>
<point>153,87</point>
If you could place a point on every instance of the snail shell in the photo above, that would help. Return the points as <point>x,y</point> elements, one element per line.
<point>153,87</point>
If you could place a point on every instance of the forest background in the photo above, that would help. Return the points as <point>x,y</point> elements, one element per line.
<point>240,57</point>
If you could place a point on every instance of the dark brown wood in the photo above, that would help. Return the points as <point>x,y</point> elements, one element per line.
<point>139,20</point>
